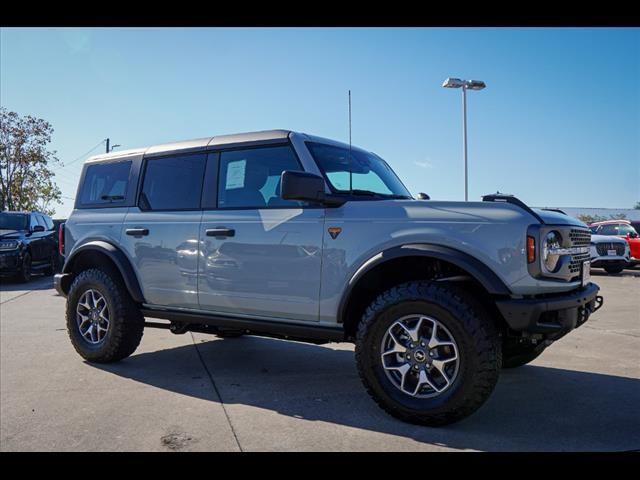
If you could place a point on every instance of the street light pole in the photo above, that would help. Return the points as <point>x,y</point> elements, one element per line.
<point>464,85</point>
<point>464,134</point>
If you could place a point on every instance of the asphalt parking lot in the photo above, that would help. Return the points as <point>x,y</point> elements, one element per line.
<point>197,392</point>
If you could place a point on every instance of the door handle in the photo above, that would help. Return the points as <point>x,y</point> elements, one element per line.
<point>220,232</point>
<point>137,232</point>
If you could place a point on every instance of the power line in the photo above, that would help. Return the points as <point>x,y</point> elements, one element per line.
<point>84,154</point>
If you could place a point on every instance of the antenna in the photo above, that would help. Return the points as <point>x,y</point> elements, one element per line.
<point>350,168</point>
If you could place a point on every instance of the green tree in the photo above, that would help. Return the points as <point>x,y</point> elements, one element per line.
<point>637,207</point>
<point>26,175</point>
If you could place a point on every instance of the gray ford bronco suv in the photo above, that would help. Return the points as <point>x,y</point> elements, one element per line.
<point>293,236</point>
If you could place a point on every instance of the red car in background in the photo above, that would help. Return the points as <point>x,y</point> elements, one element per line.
<point>620,228</point>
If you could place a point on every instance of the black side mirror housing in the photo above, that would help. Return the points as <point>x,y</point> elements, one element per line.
<point>307,187</point>
<point>633,235</point>
<point>37,228</point>
<point>423,196</point>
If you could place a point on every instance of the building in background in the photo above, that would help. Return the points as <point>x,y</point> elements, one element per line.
<point>589,215</point>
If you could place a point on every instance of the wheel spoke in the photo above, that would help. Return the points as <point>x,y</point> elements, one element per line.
<point>439,365</point>
<point>93,298</point>
<point>89,332</point>
<point>83,319</point>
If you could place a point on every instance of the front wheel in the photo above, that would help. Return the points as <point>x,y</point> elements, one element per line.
<point>428,353</point>
<point>103,322</point>
<point>24,275</point>
<point>614,269</point>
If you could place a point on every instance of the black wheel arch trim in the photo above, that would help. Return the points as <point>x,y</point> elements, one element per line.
<point>120,260</point>
<point>478,270</point>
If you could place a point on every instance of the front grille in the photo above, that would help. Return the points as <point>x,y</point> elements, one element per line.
<point>603,248</point>
<point>579,237</point>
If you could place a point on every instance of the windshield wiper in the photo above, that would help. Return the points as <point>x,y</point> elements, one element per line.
<point>370,193</point>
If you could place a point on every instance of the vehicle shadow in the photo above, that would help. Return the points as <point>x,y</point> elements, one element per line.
<point>37,282</point>
<point>532,408</point>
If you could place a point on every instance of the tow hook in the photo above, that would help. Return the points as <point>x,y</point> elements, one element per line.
<point>598,302</point>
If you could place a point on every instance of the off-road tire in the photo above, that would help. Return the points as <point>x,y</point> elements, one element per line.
<point>514,356</point>
<point>478,343</point>
<point>613,270</point>
<point>25,269</point>
<point>126,323</point>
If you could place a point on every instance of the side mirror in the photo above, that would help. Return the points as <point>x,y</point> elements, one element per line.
<point>305,186</point>
<point>633,235</point>
<point>423,196</point>
<point>37,228</point>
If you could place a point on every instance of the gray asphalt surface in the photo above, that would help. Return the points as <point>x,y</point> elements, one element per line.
<point>198,392</point>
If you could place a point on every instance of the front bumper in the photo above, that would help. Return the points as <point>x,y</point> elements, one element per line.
<point>606,262</point>
<point>551,315</point>
<point>10,262</point>
<point>61,283</point>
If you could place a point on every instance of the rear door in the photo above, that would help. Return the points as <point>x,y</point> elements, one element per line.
<point>261,255</point>
<point>161,231</point>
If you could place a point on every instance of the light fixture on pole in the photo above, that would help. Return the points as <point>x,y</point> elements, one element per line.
<point>464,85</point>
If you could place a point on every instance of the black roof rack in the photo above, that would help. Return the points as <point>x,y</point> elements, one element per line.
<point>503,197</point>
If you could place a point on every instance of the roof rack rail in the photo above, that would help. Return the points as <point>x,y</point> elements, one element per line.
<point>507,198</point>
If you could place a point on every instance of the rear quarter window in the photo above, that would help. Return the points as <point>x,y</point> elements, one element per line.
<point>105,184</point>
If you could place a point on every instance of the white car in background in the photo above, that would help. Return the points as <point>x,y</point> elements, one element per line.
<point>609,252</point>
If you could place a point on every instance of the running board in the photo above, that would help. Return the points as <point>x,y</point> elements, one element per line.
<point>209,323</point>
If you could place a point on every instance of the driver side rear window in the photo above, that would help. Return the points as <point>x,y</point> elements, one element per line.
<point>105,183</point>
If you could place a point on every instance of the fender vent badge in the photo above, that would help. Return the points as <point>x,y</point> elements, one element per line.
<point>334,232</point>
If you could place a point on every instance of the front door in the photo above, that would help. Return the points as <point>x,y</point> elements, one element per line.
<point>261,255</point>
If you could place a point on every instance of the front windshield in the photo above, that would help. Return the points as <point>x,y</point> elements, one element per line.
<point>369,173</point>
<point>12,221</point>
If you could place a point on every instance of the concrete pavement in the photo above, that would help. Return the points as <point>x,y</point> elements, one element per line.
<point>198,392</point>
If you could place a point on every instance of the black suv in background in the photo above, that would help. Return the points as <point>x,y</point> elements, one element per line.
<point>28,243</point>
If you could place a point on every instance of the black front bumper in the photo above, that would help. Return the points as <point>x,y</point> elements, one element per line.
<point>61,283</point>
<point>10,262</point>
<point>552,315</point>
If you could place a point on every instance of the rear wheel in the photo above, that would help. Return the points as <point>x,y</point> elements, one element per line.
<point>103,322</point>
<point>427,353</point>
<point>53,263</point>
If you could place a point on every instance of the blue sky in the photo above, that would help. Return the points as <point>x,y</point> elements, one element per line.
<point>557,125</point>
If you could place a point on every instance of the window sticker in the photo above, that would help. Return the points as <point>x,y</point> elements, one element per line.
<point>235,174</point>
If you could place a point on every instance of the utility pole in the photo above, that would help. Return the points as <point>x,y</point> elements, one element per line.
<point>107,145</point>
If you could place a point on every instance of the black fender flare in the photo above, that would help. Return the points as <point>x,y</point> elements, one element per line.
<point>478,270</point>
<point>120,260</point>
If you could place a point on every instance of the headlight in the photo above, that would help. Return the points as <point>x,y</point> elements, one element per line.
<point>550,243</point>
<point>9,244</point>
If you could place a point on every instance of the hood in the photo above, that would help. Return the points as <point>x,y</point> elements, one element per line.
<point>557,218</point>
<point>481,212</point>
<point>11,233</point>
<point>606,239</point>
